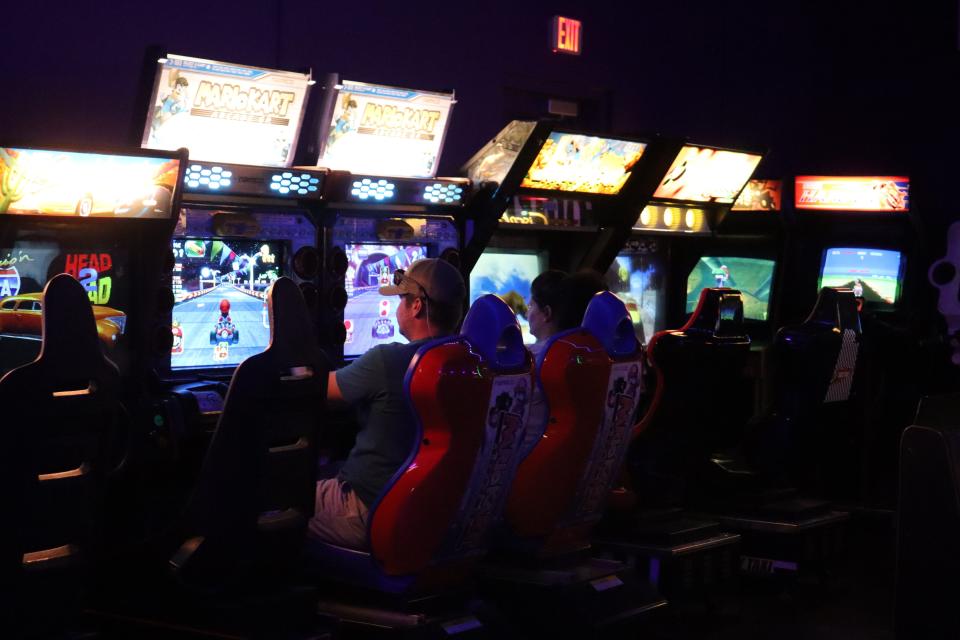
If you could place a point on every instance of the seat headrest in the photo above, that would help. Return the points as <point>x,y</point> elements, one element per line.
<point>493,331</point>
<point>609,321</point>
<point>289,318</point>
<point>69,329</point>
<point>719,312</point>
<point>836,307</point>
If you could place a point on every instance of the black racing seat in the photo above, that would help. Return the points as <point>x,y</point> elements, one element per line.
<point>256,491</point>
<point>60,422</point>
<point>701,403</point>
<point>814,394</point>
<point>928,521</point>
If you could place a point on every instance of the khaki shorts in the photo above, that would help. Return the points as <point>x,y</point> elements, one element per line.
<point>340,517</point>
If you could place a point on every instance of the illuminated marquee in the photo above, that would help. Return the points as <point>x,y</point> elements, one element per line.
<point>225,112</point>
<point>567,34</point>
<point>702,174</point>
<point>868,193</point>
<point>583,164</point>
<point>64,183</point>
<point>386,131</point>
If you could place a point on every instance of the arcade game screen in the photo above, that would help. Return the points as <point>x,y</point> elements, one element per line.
<point>220,312</point>
<point>638,280</point>
<point>370,318</point>
<point>874,274</point>
<point>27,266</point>
<point>507,275</point>
<point>753,277</point>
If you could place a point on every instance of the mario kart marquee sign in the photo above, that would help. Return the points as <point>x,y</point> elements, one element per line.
<point>386,131</point>
<point>225,112</point>
<point>67,183</point>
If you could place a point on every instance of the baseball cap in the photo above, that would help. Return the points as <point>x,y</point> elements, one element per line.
<point>439,279</point>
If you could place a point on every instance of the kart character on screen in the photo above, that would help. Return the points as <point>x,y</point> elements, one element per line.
<point>224,331</point>
<point>721,275</point>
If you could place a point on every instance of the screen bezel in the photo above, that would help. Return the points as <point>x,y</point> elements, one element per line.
<point>901,273</point>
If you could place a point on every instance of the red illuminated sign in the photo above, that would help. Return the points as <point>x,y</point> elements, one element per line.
<point>862,193</point>
<point>567,34</point>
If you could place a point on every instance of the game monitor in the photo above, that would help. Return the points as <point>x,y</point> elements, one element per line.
<point>25,268</point>
<point>220,312</point>
<point>370,318</point>
<point>508,275</point>
<point>753,277</point>
<point>638,280</point>
<point>875,275</point>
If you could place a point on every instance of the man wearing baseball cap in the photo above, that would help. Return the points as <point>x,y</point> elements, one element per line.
<point>432,294</point>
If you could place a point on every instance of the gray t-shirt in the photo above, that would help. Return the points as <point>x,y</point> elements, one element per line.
<point>373,383</point>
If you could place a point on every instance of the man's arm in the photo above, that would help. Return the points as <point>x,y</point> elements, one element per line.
<point>359,381</point>
<point>334,396</point>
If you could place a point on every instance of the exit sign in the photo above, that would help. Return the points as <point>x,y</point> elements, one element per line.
<point>567,35</point>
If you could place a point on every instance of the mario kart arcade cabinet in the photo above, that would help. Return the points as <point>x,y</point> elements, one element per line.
<point>247,218</point>
<point>385,207</point>
<point>563,201</point>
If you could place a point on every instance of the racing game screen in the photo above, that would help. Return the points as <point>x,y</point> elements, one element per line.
<point>26,267</point>
<point>874,275</point>
<point>220,291</point>
<point>370,318</point>
<point>507,275</point>
<point>638,280</point>
<point>753,277</point>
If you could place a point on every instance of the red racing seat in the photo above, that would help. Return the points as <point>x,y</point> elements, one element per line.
<point>469,394</point>
<point>590,378</point>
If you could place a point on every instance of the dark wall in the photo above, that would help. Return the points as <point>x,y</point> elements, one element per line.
<point>826,86</point>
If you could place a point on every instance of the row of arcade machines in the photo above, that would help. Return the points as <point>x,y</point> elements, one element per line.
<point>177,254</point>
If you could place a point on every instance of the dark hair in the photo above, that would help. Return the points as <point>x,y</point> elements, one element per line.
<point>546,289</point>
<point>181,81</point>
<point>576,291</point>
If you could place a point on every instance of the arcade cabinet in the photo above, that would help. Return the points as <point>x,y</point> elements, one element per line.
<point>863,233</point>
<point>563,200</point>
<point>247,218</point>
<point>101,217</point>
<point>385,206</point>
